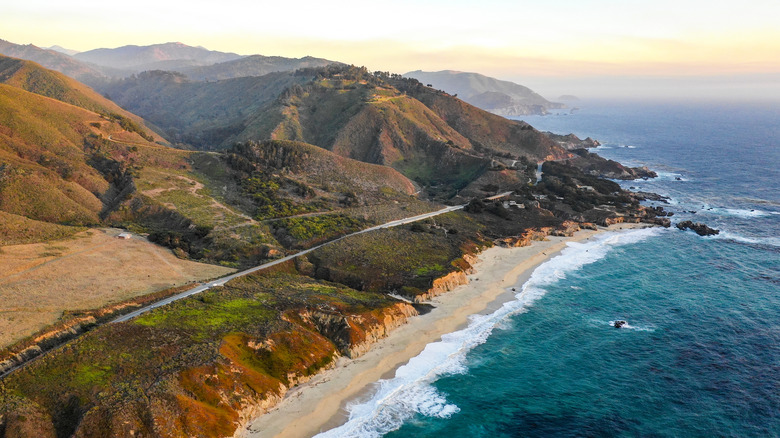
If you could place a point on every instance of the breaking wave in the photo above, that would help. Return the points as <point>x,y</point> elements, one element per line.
<point>410,392</point>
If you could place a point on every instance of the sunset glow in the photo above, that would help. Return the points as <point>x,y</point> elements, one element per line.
<point>499,38</point>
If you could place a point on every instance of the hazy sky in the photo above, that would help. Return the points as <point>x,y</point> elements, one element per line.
<point>548,42</point>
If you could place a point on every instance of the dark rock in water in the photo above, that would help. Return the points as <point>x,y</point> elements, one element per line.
<point>619,323</point>
<point>650,196</point>
<point>662,221</point>
<point>700,228</point>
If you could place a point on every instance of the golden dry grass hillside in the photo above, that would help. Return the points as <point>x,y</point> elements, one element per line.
<point>94,268</point>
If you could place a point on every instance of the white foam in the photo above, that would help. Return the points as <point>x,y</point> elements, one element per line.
<point>627,326</point>
<point>410,392</point>
<point>772,241</point>
<point>670,176</point>
<point>736,212</point>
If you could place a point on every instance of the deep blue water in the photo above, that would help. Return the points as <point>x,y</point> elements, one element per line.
<point>701,354</point>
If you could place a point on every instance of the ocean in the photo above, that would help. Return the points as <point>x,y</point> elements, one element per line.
<point>700,354</point>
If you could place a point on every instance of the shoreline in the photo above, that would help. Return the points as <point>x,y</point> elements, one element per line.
<point>320,404</point>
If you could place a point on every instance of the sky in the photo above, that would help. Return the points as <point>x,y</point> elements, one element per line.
<point>589,47</point>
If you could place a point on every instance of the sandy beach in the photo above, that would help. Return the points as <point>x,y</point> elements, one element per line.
<point>320,404</point>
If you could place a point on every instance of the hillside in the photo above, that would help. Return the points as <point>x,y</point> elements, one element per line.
<point>45,174</point>
<point>500,97</point>
<point>254,65</point>
<point>32,77</point>
<point>429,136</point>
<point>51,59</point>
<point>57,48</point>
<point>201,114</point>
<point>297,159</point>
<point>168,56</point>
<point>437,140</point>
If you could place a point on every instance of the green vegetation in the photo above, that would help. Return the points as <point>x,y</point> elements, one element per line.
<point>264,190</point>
<point>391,259</point>
<point>129,125</point>
<point>307,231</point>
<point>250,332</point>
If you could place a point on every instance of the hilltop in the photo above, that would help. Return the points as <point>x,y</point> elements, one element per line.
<point>500,97</point>
<point>253,65</point>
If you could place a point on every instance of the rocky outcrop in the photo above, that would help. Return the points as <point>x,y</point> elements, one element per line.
<point>595,165</point>
<point>566,229</point>
<point>353,335</point>
<point>571,142</point>
<point>650,196</point>
<point>442,285</point>
<point>700,228</point>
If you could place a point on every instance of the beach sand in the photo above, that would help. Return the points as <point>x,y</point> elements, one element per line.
<point>320,404</point>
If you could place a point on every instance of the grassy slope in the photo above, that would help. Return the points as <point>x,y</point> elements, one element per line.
<point>481,127</point>
<point>53,60</point>
<point>44,173</point>
<point>374,124</point>
<point>203,114</point>
<point>32,77</point>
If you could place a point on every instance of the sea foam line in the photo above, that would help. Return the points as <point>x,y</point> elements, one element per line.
<point>410,392</point>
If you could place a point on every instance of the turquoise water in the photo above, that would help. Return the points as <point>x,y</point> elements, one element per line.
<point>701,353</point>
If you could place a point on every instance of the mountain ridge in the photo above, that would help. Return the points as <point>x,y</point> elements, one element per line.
<point>500,97</point>
<point>140,58</point>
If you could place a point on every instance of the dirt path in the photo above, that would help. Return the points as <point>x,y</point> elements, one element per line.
<point>193,187</point>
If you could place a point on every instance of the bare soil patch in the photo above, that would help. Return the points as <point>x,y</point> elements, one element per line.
<point>38,282</point>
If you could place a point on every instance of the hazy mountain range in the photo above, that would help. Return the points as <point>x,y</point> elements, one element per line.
<point>497,96</point>
<point>100,66</point>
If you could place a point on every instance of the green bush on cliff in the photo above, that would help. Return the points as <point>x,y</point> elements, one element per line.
<point>323,227</point>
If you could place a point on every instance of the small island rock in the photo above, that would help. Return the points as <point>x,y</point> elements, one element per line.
<point>700,228</point>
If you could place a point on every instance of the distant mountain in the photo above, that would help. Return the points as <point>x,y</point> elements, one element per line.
<point>98,67</point>
<point>499,97</point>
<point>53,60</point>
<point>254,65</point>
<point>61,49</point>
<point>167,56</point>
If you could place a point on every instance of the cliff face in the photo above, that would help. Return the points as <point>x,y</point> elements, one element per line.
<point>442,285</point>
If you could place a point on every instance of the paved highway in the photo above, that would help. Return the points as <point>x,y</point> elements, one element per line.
<point>223,280</point>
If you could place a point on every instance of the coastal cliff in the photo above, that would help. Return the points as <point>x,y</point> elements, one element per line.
<point>214,395</point>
